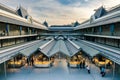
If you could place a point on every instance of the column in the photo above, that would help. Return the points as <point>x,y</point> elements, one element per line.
<point>113,76</point>
<point>28,30</point>
<point>93,30</point>
<point>20,30</point>
<point>15,41</point>
<point>5,71</point>
<point>1,43</point>
<point>112,26</point>
<point>33,31</point>
<point>7,29</point>
<point>100,29</point>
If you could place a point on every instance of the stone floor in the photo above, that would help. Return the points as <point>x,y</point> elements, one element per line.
<point>59,71</point>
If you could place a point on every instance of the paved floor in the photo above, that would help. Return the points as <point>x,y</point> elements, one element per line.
<point>59,71</point>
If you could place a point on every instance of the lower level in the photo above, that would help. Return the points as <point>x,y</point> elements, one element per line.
<point>59,71</point>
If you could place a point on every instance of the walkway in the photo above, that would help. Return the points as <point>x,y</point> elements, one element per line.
<point>59,71</point>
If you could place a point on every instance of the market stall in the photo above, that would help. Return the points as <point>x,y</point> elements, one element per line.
<point>41,60</point>
<point>102,61</point>
<point>17,62</point>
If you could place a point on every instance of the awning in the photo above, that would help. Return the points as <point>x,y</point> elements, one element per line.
<point>46,49</point>
<point>111,53</point>
<point>75,45</point>
<point>72,47</point>
<point>44,45</point>
<point>7,54</point>
<point>90,51</point>
<point>30,50</point>
<point>59,47</point>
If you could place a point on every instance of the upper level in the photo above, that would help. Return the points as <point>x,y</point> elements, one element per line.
<point>18,22</point>
<point>103,22</point>
<point>102,17</point>
<point>103,27</point>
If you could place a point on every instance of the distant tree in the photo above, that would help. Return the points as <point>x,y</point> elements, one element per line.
<point>45,23</point>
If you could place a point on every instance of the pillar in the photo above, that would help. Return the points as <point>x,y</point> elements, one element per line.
<point>93,30</point>
<point>20,30</point>
<point>5,71</point>
<point>100,29</point>
<point>7,29</point>
<point>113,75</point>
<point>112,26</point>
<point>1,43</point>
<point>28,30</point>
<point>33,31</point>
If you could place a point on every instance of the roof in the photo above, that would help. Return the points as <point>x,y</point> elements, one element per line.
<point>113,9</point>
<point>14,19</point>
<point>90,51</point>
<point>112,17</point>
<point>59,47</point>
<point>62,46</point>
<point>44,45</point>
<point>33,48</point>
<point>8,9</point>
<point>71,48</point>
<point>7,54</point>
<point>61,28</point>
<point>107,51</point>
<point>78,47</point>
<point>103,36</point>
<point>107,19</point>
<point>100,12</point>
<point>22,12</point>
<point>45,50</point>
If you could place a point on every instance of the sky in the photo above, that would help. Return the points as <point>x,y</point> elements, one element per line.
<point>60,12</point>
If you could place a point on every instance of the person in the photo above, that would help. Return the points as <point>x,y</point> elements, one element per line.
<point>88,69</point>
<point>28,61</point>
<point>80,64</point>
<point>83,64</point>
<point>102,71</point>
<point>32,61</point>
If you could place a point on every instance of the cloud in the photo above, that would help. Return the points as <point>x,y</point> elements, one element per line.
<point>60,11</point>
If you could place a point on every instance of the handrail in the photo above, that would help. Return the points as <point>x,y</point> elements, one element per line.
<point>8,37</point>
<point>104,36</point>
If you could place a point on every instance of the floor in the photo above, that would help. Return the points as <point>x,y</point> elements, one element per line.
<point>59,71</point>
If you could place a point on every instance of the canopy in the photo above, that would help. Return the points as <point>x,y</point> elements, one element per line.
<point>90,51</point>
<point>33,48</point>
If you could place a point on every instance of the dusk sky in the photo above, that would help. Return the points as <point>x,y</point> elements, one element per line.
<point>60,11</point>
